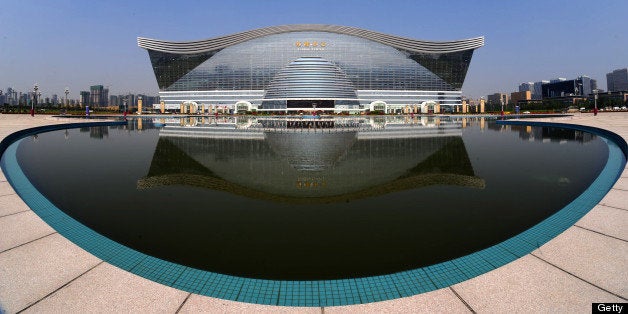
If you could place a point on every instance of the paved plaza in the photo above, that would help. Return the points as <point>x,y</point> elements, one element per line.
<point>41,271</point>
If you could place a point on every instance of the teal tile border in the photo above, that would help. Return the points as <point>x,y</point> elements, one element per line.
<point>323,292</point>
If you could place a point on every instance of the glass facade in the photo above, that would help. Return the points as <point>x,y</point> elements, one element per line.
<point>581,86</point>
<point>310,82</point>
<point>245,71</point>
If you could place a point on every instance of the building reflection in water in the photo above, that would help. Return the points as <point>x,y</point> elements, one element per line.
<point>314,159</point>
<point>96,132</point>
<point>300,160</point>
<point>545,134</point>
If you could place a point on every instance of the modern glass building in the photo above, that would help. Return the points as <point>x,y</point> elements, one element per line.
<point>581,86</point>
<point>310,66</point>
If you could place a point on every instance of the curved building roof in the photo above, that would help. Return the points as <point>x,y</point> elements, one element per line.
<point>217,43</point>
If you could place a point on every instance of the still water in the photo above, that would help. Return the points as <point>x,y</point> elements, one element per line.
<point>300,199</point>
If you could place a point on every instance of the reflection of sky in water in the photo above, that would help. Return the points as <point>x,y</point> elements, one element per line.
<point>259,203</point>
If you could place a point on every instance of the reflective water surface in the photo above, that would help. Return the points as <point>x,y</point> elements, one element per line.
<point>311,198</point>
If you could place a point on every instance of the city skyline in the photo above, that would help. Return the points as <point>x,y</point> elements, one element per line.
<point>69,44</point>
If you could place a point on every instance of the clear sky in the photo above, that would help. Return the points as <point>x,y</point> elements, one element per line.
<point>81,43</point>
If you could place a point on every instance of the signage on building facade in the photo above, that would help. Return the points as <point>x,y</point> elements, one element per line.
<point>310,45</point>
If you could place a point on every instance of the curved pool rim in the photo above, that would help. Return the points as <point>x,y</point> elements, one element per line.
<point>323,292</point>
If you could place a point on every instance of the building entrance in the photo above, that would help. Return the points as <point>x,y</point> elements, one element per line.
<point>310,103</point>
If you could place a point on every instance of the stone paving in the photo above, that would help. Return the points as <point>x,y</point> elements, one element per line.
<point>40,271</point>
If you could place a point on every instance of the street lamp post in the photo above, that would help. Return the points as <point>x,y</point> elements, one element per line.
<point>595,102</point>
<point>67,91</point>
<point>34,102</point>
<point>502,101</point>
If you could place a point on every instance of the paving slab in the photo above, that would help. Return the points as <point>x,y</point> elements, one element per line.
<point>11,204</point>
<point>606,220</point>
<point>21,228</point>
<point>530,285</point>
<point>616,198</point>
<point>622,183</point>
<point>6,188</point>
<point>440,301</point>
<point>32,271</point>
<point>107,289</point>
<point>2,177</point>
<point>596,258</point>
<point>202,304</point>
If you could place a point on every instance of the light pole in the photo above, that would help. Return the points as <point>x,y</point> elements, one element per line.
<point>34,102</point>
<point>67,91</point>
<point>595,102</point>
<point>502,101</point>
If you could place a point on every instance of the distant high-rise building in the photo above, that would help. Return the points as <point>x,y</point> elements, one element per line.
<point>84,101</point>
<point>55,99</point>
<point>617,80</point>
<point>529,86</point>
<point>537,93</point>
<point>23,98</point>
<point>581,86</point>
<point>557,80</point>
<point>519,97</point>
<point>95,93</point>
<point>498,99</point>
<point>11,97</point>
<point>149,100</point>
<point>588,85</point>
<point>98,96</point>
<point>130,102</point>
<point>113,101</point>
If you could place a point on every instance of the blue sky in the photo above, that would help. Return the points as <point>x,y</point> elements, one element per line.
<point>82,43</point>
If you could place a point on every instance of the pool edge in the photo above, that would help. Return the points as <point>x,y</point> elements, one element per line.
<point>443,284</point>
